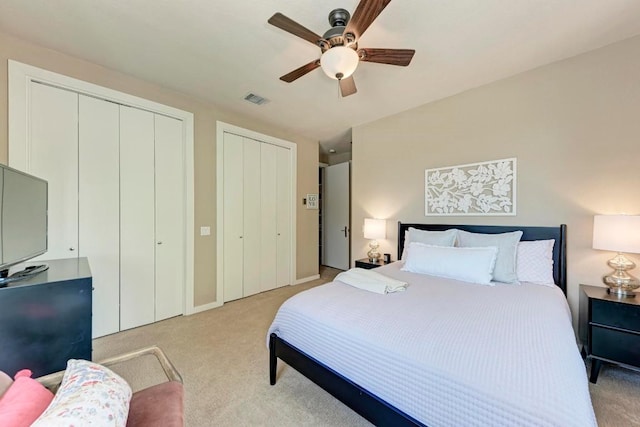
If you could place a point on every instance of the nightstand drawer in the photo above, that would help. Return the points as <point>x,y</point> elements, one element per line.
<point>623,347</point>
<point>615,314</point>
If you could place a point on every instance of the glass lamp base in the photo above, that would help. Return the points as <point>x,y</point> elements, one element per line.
<point>620,282</point>
<point>373,253</point>
<point>621,293</point>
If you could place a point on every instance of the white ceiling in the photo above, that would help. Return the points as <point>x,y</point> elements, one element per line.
<point>220,50</point>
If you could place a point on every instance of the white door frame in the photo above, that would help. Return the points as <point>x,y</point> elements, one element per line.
<point>221,128</point>
<point>20,78</point>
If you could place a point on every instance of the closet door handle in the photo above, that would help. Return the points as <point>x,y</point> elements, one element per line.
<point>72,249</point>
<point>159,243</point>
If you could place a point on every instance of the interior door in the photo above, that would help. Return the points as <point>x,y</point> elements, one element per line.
<point>283,216</point>
<point>53,155</point>
<point>233,219</point>
<point>170,217</point>
<point>137,213</point>
<point>269,214</point>
<point>99,207</point>
<point>336,186</point>
<point>251,251</point>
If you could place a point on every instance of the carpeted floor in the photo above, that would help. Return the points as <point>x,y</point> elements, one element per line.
<point>223,358</point>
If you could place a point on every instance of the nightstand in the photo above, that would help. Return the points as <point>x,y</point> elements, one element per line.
<point>365,263</point>
<point>609,329</point>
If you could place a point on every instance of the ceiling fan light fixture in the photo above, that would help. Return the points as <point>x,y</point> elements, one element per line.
<point>339,62</point>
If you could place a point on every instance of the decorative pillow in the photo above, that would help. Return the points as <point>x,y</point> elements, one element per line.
<point>434,238</point>
<point>24,401</point>
<point>473,265</point>
<point>507,243</point>
<point>89,394</point>
<point>534,262</point>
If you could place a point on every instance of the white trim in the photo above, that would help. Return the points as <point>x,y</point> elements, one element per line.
<point>205,307</point>
<point>221,128</point>
<point>20,77</point>
<point>307,279</point>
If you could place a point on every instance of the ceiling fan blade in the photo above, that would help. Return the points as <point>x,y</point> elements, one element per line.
<point>291,26</point>
<point>366,12</point>
<point>299,72</point>
<point>347,86</point>
<point>400,57</point>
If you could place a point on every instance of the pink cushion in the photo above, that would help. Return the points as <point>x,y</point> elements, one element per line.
<point>160,405</point>
<point>24,401</point>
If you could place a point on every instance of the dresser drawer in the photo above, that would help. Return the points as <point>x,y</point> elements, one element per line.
<point>622,347</point>
<point>615,314</point>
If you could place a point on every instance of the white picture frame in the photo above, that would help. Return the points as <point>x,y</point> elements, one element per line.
<point>312,201</point>
<point>475,189</point>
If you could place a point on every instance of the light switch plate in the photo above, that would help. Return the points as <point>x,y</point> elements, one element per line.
<point>205,231</point>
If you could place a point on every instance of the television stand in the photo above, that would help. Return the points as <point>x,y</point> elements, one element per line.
<point>29,271</point>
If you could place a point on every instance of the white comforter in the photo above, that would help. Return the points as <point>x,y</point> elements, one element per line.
<point>449,353</point>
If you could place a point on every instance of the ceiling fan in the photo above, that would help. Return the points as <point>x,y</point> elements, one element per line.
<point>339,45</point>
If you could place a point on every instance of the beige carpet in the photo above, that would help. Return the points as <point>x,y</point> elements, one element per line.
<point>223,358</point>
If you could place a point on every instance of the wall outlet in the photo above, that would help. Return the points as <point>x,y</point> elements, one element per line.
<point>205,231</point>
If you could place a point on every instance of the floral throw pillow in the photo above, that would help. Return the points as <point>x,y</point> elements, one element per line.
<point>90,394</point>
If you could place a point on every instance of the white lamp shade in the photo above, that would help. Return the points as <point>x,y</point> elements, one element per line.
<point>339,60</point>
<point>619,233</point>
<point>375,228</point>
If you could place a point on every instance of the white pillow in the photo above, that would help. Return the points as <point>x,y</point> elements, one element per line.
<point>428,237</point>
<point>473,265</point>
<point>89,394</point>
<point>534,262</point>
<point>507,243</point>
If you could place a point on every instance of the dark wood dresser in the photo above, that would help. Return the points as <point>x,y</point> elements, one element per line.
<point>46,319</point>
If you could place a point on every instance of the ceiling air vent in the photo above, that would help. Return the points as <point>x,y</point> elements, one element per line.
<point>255,99</point>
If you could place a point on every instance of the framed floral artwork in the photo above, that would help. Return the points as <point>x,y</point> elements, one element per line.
<point>486,188</point>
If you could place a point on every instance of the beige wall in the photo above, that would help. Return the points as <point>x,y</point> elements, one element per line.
<point>205,117</point>
<point>574,127</point>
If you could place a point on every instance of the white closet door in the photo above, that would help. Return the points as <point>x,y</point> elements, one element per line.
<point>283,216</point>
<point>137,212</point>
<point>268,258</point>
<point>53,155</point>
<point>99,193</point>
<point>251,217</point>
<point>233,219</point>
<point>170,217</point>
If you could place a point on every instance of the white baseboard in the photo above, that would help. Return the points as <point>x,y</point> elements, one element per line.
<point>205,307</point>
<point>306,279</point>
<point>209,306</point>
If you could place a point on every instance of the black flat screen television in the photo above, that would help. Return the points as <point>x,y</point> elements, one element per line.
<point>23,222</point>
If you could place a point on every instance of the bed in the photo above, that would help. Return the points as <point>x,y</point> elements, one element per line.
<point>443,352</point>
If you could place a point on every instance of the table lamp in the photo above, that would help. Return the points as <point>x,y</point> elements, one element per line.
<point>619,233</point>
<point>374,229</point>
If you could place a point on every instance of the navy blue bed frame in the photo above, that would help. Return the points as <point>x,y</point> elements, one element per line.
<point>365,403</point>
